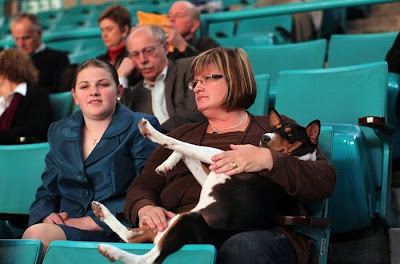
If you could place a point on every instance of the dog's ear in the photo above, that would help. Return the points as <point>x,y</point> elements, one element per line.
<point>313,130</point>
<point>274,117</point>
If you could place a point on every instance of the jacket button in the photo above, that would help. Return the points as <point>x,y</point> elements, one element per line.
<point>85,193</point>
<point>80,175</point>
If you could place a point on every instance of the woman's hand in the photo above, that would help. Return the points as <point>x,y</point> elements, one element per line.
<point>242,158</point>
<point>56,218</point>
<point>174,38</point>
<point>154,217</point>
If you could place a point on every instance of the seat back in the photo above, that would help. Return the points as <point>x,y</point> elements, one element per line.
<point>75,252</point>
<point>25,251</point>
<point>339,96</point>
<point>268,24</point>
<point>272,59</point>
<point>240,41</point>
<point>393,119</point>
<point>351,49</point>
<point>260,106</point>
<point>21,169</point>
<point>61,104</point>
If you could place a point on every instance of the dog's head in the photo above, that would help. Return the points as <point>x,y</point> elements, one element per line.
<point>291,139</point>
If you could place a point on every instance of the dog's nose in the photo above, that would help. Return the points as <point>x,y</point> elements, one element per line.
<point>266,138</point>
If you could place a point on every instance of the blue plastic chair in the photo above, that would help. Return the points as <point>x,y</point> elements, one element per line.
<point>272,59</point>
<point>61,104</point>
<point>26,251</point>
<point>260,105</point>
<point>240,41</point>
<point>351,49</point>
<point>21,169</point>
<point>268,24</point>
<point>361,155</point>
<point>76,252</point>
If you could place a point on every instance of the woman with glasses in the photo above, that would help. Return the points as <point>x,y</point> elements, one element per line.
<point>224,87</point>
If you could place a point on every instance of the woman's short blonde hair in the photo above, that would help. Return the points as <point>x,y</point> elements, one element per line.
<point>236,68</point>
<point>18,67</point>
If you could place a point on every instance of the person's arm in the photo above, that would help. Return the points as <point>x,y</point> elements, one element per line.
<point>32,119</point>
<point>47,196</point>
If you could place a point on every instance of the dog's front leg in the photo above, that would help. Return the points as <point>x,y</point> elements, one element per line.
<point>107,217</point>
<point>169,163</point>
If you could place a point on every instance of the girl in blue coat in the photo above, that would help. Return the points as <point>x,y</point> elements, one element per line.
<point>94,155</point>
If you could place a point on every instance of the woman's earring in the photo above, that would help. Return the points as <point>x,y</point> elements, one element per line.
<point>118,98</point>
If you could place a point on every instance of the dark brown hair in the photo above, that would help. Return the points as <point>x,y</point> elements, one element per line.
<point>117,13</point>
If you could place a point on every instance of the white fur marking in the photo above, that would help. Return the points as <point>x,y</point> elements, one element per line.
<point>309,156</point>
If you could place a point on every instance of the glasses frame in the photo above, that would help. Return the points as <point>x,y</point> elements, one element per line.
<point>205,79</point>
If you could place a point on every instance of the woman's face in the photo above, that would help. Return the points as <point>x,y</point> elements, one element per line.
<point>211,89</point>
<point>96,93</point>
<point>111,33</point>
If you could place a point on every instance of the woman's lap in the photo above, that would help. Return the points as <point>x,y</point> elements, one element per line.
<point>76,234</point>
<point>261,246</point>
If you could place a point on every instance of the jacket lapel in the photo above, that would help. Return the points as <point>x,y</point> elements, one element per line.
<point>169,85</point>
<point>110,140</point>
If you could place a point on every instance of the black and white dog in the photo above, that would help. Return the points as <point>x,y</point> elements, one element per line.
<point>227,204</point>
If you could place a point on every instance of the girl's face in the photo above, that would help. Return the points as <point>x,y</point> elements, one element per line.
<point>96,93</point>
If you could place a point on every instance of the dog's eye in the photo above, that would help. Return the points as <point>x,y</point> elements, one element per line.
<point>290,135</point>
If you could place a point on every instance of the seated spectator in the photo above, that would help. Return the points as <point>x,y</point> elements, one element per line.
<point>94,155</point>
<point>115,23</point>
<point>164,91</point>
<point>52,64</point>
<point>25,111</point>
<point>393,56</point>
<point>225,87</point>
<point>185,20</point>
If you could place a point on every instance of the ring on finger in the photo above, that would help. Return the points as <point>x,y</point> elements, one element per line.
<point>234,165</point>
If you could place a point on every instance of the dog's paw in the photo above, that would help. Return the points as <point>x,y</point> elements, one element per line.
<point>110,252</point>
<point>143,127</point>
<point>98,209</point>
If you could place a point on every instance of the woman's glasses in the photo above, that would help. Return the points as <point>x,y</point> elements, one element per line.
<point>205,79</point>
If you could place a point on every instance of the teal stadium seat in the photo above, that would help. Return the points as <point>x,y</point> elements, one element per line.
<point>260,105</point>
<point>21,169</point>
<point>276,25</point>
<point>61,252</point>
<point>272,59</point>
<point>351,49</point>
<point>24,251</point>
<point>361,155</point>
<point>61,104</point>
<point>393,119</point>
<point>221,29</point>
<point>241,41</point>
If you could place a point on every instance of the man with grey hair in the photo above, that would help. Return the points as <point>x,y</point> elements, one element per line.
<point>164,91</point>
<point>27,32</point>
<point>184,21</point>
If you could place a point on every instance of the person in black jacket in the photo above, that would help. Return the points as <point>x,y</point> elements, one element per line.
<point>184,21</point>
<point>27,32</point>
<point>25,111</point>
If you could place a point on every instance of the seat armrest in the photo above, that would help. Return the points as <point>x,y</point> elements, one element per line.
<point>285,220</point>
<point>378,124</point>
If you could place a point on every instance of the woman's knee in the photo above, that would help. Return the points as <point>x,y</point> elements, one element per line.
<point>44,231</point>
<point>263,246</point>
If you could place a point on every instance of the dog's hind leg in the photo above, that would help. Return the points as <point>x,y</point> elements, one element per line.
<point>169,163</point>
<point>113,254</point>
<point>107,217</point>
<point>196,168</point>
